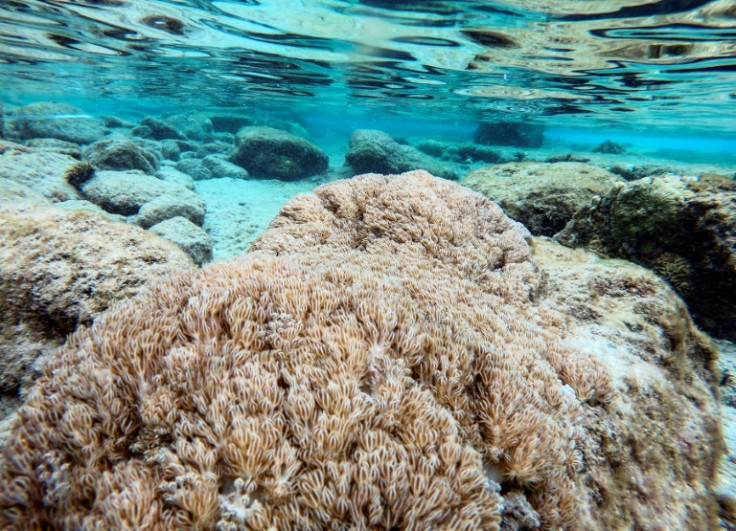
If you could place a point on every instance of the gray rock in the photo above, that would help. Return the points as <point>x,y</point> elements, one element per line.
<point>117,154</point>
<point>55,145</point>
<point>374,151</point>
<point>274,154</point>
<point>542,196</point>
<point>195,126</point>
<point>195,168</point>
<point>681,227</point>
<point>115,122</point>
<point>174,176</point>
<point>125,192</point>
<point>190,238</point>
<point>170,149</point>
<point>160,129</point>
<point>166,207</point>
<point>44,171</point>
<point>57,120</point>
<point>220,167</point>
<point>211,148</point>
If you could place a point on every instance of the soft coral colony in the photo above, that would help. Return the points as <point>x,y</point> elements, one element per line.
<point>377,360</point>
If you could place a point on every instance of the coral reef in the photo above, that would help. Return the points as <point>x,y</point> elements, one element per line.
<point>544,197</point>
<point>378,360</point>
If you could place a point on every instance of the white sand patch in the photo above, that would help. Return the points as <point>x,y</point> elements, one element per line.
<point>239,210</point>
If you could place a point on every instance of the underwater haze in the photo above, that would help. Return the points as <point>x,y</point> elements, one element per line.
<point>368,264</point>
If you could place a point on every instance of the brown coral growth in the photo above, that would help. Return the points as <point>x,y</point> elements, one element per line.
<point>376,361</point>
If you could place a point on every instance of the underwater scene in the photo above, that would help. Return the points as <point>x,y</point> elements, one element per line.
<point>368,264</point>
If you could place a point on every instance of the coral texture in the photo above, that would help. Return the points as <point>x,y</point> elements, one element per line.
<point>376,361</point>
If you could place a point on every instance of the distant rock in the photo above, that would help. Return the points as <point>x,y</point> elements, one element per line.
<point>230,124</point>
<point>610,147</point>
<point>195,168</point>
<point>683,228</point>
<point>189,237</point>
<point>542,196</point>
<point>215,148</point>
<point>170,149</point>
<point>195,126</point>
<point>115,122</point>
<point>569,157</point>
<point>125,192</point>
<point>55,145</point>
<point>632,172</point>
<point>57,120</point>
<point>274,154</point>
<point>220,167</point>
<point>509,134</point>
<point>44,171</point>
<point>373,151</point>
<point>161,129</point>
<point>60,269</point>
<point>119,154</point>
<point>473,153</point>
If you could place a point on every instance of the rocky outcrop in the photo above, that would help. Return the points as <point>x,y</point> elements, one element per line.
<point>57,120</point>
<point>544,197</point>
<point>683,228</point>
<point>374,151</point>
<point>274,154</point>
<point>120,154</point>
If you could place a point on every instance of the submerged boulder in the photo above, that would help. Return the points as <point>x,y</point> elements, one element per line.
<point>509,134</point>
<point>274,154</point>
<point>121,154</point>
<point>125,192</point>
<point>683,228</point>
<point>373,151</point>
<point>44,171</point>
<point>57,120</point>
<point>544,197</point>
<point>390,351</point>
<point>187,236</point>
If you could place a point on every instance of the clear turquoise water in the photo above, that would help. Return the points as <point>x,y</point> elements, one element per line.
<point>659,72</point>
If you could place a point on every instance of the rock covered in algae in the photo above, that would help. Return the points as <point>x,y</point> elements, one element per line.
<point>544,197</point>
<point>386,356</point>
<point>681,227</point>
<point>272,153</point>
<point>375,151</point>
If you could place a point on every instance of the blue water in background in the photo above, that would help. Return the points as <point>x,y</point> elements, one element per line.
<point>590,66</point>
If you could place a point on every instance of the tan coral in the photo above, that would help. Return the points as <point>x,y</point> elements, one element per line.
<point>377,361</point>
